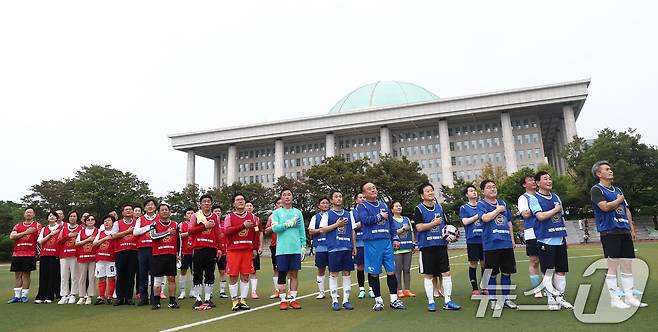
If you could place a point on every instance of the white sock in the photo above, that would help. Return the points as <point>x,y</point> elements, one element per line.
<point>197,292</point>
<point>244,289</point>
<point>222,286</point>
<point>207,292</point>
<point>394,297</point>
<point>320,280</point>
<point>429,290</point>
<point>379,299</point>
<point>293,295</point>
<point>233,290</point>
<point>275,280</point>
<point>254,284</point>
<point>25,291</point>
<point>282,296</point>
<point>333,288</point>
<point>17,292</point>
<point>182,284</point>
<point>362,289</point>
<point>611,283</point>
<point>627,284</point>
<point>560,283</point>
<point>447,288</point>
<point>347,288</point>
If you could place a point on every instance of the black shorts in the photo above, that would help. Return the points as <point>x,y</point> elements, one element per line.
<point>163,265</point>
<point>186,262</point>
<point>500,260</point>
<point>256,262</point>
<point>434,260</point>
<point>475,252</point>
<point>221,263</point>
<point>618,246</point>
<point>273,254</point>
<point>23,264</point>
<point>553,257</point>
<point>531,248</point>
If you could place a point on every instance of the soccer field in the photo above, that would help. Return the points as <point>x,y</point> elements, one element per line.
<point>316,315</point>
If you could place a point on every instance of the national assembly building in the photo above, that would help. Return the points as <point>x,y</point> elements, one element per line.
<point>449,137</point>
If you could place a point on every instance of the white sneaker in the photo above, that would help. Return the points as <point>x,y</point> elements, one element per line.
<point>634,302</point>
<point>71,299</point>
<point>563,304</point>
<point>320,296</point>
<point>552,303</point>
<point>38,301</point>
<point>81,300</point>
<point>88,300</point>
<point>48,301</point>
<point>182,295</point>
<point>617,303</point>
<point>63,300</point>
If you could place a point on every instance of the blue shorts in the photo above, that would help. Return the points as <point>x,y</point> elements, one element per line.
<point>321,259</point>
<point>341,261</point>
<point>377,253</point>
<point>359,259</point>
<point>285,263</point>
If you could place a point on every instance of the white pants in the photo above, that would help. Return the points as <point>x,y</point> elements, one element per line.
<point>68,267</point>
<point>105,269</point>
<point>86,272</point>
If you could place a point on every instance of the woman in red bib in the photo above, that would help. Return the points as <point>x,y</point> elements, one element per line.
<point>86,255</point>
<point>48,260</point>
<point>68,264</point>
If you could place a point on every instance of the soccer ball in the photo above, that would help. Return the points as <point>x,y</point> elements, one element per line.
<point>450,233</point>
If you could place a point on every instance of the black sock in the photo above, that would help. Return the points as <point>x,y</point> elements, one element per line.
<point>392,282</point>
<point>373,281</point>
<point>472,273</point>
<point>361,278</point>
<point>172,299</point>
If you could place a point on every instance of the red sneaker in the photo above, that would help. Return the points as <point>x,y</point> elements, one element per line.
<point>295,305</point>
<point>283,305</point>
<point>475,292</point>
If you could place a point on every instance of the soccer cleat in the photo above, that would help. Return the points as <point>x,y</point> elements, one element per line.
<point>236,305</point>
<point>553,305</point>
<point>118,302</point>
<point>400,294</point>
<point>408,293</point>
<point>210,304</point>
<point>397,305</point>
<point>335,306</point>
<point>295,305</point>
<point>173,305</point>
<point>197,305</point>
<point>24,299</point>
<point>244,305</point>
<point>81,301</point>
<point>431,307</point>
<point>617,303</point>
<point>450,305</point>
<point>38,301</point>
<point>348,306</point>
<point>254,295</point>
<point>475,292</point>
<point>371,294</point>
<point>48,301</point>
<point>155,306</point>
<point>379,306</point>
<point>496,305</point>
<point>275,294</point>
<point>14,300</point>
<point>509,304</point>
<point>362,294</point>
<point>88,301</point>
<point>223,295</point>
<point>562,303</point>
<point>182,295</point>
<point>162,295</point>
<point>99,301</point>
<point>108,301</point>
<point>71,299</point>
<point>320,296</point>
<point>634,302</point>
<point>283,305</point>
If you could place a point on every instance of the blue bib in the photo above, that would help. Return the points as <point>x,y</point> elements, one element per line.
<point>553,227</point>
<point>319,241</point>
<point>532,221</point>
<point>474,230</point>
<point>616,218</point>
<point>341,237</point>
<point>406,242</point>
<point>495,233</point>
<point>432,237</point>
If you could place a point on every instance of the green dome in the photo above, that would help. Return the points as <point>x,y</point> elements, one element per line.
<point>383,93</point>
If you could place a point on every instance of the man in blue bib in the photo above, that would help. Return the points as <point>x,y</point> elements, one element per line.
<point>319,243</point>
<point>615,224</point>
<point>551,232</point>
<point>473,229</point>
<point>527,182</point>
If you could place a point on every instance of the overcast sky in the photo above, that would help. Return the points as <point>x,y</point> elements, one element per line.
<point>85,82</point>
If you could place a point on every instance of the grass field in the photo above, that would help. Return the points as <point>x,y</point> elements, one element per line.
<point>316,315</point>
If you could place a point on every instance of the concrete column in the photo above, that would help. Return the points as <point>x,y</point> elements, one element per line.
<point>278,159</point>
<point>569,122</point>
<point>191,168</point>
<point>217,173</point>
<point>508,143</point>
<point>560,145</point>
<point>385,140</point>
<point>232,165</point>
<point>446,160</point>
<point>330,145</point>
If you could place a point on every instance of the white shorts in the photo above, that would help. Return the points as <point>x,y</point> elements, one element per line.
<point>105,269</point>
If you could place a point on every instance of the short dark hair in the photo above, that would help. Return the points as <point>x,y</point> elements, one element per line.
<point>204,196</point>
<point>31,208</point>
<point>540,174</point>
<point>136,206</point>
<point>335,191</point>
<point>421,189</point>
<point>216,206</point>
<point>277,200</point>
<point>363,185</point>
<point>522,179</point>
<point>70,213</point>
<point>109,216</point>
<point>164,204</point>
<point>189,209</point>
<point>323,198</point>
<point>126,205</point>
<point>236,196</point>
<point>284,190</point>
<point>465,191</point>
<point>393,203</point>
<point>484,183</point>
<point>151,199</point>
<point>53,212</point>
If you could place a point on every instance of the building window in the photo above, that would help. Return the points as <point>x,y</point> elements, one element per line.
<point>454,161</point>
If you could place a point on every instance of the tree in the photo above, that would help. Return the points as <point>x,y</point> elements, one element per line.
<point>100,189</point>
<point>10,214</point>
<point>50,195</point>
<point>398,179</point>
<point>337,174</point>
<point>301,194</point>
<point>510,190</point>
<point>261,197</point>
<point>453,198</point>
<point>497,173</point>
<point>186,198</point>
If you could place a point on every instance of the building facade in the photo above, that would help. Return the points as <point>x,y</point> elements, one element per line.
<point>449,137</point>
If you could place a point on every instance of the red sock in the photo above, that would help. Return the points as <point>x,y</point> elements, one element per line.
<point>101,287</point>
<point>111,284</point>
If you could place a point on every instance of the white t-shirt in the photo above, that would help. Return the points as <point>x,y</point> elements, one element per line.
<point>528,233</point>
<point>324,222</point>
